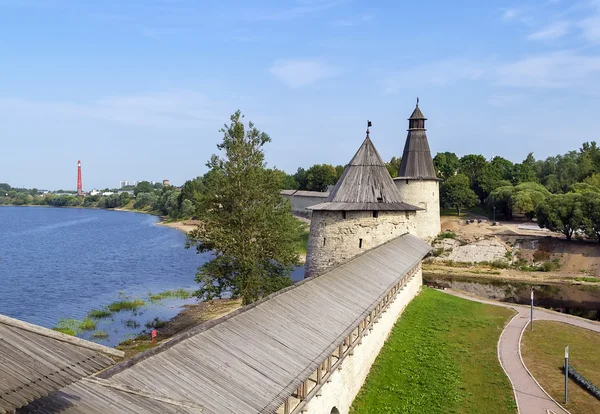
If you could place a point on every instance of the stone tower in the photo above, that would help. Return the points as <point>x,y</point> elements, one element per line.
<point>417,181</point>
<point>364,210</point>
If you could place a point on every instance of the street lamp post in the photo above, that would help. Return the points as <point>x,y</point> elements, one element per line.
<point>566,374</point>
<point>531,322</point>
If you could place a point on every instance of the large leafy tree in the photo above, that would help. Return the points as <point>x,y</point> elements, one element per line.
<point>591,213</point>
<point>562,213</point>
<point>393,166</point>
<point>321,176</point>
<point>446,164</point>
<point>523,198</point>
<point>245,222</point>
<point>455,192</point>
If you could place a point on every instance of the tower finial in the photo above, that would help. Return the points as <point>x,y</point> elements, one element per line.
<point>417,101</point>
<point>369,125</point>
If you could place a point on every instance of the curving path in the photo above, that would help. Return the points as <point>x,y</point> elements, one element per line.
<point>530,396</point>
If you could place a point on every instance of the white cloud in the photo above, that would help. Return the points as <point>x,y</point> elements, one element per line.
<point>353,21</point>
<point>552,31</point>
<point>506,100</point>
<point>297,73</point>
<point>175,109</point>
<point>552,70</point>
<point>590,28</point>
<point>511,14</point>
<point>290,13</point>
<point>440,73</point>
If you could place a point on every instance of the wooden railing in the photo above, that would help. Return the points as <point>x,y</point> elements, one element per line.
<point>311,386</point>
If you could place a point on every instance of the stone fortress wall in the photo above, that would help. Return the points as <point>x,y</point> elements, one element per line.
<point>424,194</point>
<point>334,239</point>
<point>345,383</point>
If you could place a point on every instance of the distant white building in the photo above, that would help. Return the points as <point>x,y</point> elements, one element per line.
<point>94,192</point>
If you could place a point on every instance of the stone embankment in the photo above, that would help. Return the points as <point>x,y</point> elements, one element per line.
<point>483,250</point>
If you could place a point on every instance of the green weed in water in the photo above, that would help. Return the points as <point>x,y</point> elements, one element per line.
<point>177,293</point>
<point>88,324</point>
<point>99,313</point>
<point>124,305</point>
<point>99,335</point>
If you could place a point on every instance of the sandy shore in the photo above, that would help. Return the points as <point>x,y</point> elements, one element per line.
<point>185,226</point>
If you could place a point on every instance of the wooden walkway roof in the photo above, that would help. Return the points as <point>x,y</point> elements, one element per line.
<point>251,360</point>
<point>36,361</point>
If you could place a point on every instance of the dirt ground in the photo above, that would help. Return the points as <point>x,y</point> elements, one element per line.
<point>577,258</point>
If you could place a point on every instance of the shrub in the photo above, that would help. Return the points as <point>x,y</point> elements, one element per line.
<point>446,235</point>
<point>541,256</point>
<point>499,264</point>
<point>437,252</point>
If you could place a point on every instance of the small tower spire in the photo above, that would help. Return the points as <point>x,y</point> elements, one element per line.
<point>417,101</point>
<point>369,125</point>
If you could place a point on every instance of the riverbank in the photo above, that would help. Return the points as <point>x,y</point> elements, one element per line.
<point>192,315</point>
<point>185,225</point>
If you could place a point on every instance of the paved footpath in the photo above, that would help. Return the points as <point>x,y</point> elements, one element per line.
<point>531,398</point>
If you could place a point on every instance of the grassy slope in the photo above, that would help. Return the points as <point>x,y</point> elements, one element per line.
<point>441,357</point>
<point>543,351</point>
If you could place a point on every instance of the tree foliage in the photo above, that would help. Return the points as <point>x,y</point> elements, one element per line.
<point>393,166</point>
<point>246,223</point>
<point>523,198</point>
<point>456,192</point>
<point>446,164</point>
<point>562,213</point>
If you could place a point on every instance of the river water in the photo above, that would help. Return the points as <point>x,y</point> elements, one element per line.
<point>61,263</point>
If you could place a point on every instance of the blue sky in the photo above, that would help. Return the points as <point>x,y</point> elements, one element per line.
<point>138,89</point>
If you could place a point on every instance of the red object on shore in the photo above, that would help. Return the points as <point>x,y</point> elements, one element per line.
<point>79,186</point>
<point>153,337</point>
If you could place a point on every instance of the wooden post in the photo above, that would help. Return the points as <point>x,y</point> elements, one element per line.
<point>329,360</point>
<point>319,374</point>
<point>286,406</point>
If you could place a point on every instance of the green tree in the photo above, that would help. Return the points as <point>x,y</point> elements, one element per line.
<point>562,213</point>
<point>320,176</point>
<point>144,200</point>
<point>246,223</point>
<point>143,187</point>
<point>593,180</point>
<point>456,192</point>
<point>591,213</point>
<point>393,166</point>
<point>523,198</point>
<point>446,164</point>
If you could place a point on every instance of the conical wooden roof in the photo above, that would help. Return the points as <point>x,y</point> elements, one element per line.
<point>416,159</point>
<point>365,184</point>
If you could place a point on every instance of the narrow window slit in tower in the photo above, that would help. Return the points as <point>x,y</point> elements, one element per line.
<point>344,215</point>
<point>324,241</point>
<point>375,213</point>
<point>360,243</point>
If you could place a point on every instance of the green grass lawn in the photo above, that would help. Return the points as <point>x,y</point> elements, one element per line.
<point>441,357</point>
<point>543,351</point>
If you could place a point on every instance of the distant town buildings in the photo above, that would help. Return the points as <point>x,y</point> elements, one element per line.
<point>166,183</point>
<point>128,183</point>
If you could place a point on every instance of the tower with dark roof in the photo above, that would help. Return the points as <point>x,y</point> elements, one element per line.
<point>364,210</point>
<point>417,181</point>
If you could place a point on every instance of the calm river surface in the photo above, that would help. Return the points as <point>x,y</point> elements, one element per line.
<point>61,263</point>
